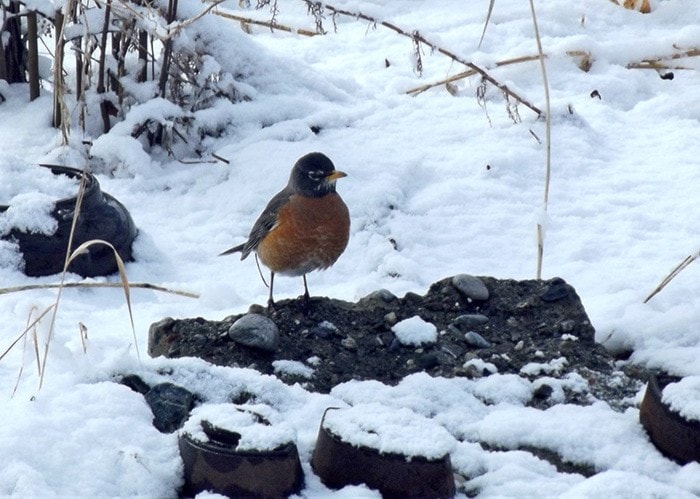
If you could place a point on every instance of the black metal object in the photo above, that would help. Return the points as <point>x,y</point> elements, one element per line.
<point>675,436</point>
<point>339,463</point>
<point>101,217</point>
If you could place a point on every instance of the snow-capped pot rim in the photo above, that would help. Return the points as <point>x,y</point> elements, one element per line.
<point>339,463</point>
<point>673,435</point>
<point>220,468</point>
<point>237,429</point>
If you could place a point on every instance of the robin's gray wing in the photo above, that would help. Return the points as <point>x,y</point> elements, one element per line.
<point>266,221</point>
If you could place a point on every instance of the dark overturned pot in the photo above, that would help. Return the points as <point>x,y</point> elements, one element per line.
<point>218,466</point>
<point>101,217</point>
<point>675,436</point>
<point>396,476</point>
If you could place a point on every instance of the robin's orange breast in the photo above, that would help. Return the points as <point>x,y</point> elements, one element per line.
<point>310,234</point>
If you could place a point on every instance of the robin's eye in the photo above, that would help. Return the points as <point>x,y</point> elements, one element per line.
<point>316,175</point>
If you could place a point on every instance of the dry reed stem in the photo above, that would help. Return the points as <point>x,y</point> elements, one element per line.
<point>548,142</point>
<point>468,73</point>
<point>677,270</point>
<point>267,24</point>
<point>24,349</point>
<point>26,330</point>
<point>419,39</point>
<point>122,274</point>
<point>132,285</point>
<point>76,212</point>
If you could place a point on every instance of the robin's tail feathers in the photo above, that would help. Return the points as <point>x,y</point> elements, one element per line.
<point>235,249</point>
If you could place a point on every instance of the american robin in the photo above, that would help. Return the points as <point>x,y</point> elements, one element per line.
<point>304,227</point>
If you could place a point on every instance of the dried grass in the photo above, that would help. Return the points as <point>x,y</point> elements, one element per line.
<point>677,270</point>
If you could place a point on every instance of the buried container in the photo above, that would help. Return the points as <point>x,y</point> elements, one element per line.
<point>339,458</point>
<point>101,217</point>
<point>245,457</point>
<point>673,434</point>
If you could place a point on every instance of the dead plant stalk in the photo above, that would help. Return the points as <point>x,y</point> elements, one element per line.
<point>548,144</point>
<point>418,39</point>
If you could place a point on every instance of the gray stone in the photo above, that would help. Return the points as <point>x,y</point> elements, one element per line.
<point>255,331</point>
<point>379,298</point>
<point>471,287</point>
<point>471,320</point>
<point>476,340</point>
<point>160,336</point>
<point>171,405</point>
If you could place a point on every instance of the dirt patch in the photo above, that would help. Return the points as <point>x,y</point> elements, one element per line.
<point>536,329</point>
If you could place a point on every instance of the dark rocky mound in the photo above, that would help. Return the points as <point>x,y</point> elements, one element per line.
<point>537,329</point>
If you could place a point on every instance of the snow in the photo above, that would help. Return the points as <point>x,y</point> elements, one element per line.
<point>438,185</point>
<point>415,331</point>
<point>292,368</point>
<point>256,426</point>
<point>684,397</point>
<point>389,430</point>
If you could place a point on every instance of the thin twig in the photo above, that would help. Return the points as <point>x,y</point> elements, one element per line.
<point>547,141</point>
<point>417,38</point>
<point>141,285</point>
<point>468,73</point>
<point>687,261</point>
<point>267,24</point>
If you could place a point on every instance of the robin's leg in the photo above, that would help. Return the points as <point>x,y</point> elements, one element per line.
<point>306,299</point>
<point>270,301</point>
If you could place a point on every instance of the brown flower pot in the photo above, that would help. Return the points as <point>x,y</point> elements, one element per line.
<point>217,466</point>
<point>339,463</point>
<point>675,436</point>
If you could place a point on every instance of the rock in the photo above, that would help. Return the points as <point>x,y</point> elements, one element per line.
<point>543,392</point>
<point>428,361</point>
<point>454,351</point>
<point>161,336</point>
<point>135,383</point>
<point>391,318</point>
<point>379,298</point>
<point>476,340</point>
<point>171,405</point>
<point>468,321</point>
<point>349,342</point>
<point>325,330</point>
<point>471,287</point>
<point>557,290</point>
<point>255,331</point>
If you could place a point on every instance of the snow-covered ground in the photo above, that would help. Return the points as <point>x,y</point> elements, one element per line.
<point>437,185</point>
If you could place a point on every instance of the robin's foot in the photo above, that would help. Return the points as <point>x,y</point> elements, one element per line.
<point>305,304</point>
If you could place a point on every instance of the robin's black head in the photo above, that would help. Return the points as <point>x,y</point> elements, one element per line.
<point>314,175</point>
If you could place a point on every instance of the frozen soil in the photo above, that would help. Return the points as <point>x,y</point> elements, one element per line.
<point>535,329</point>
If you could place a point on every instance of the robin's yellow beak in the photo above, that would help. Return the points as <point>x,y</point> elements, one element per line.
<point>335,175</point>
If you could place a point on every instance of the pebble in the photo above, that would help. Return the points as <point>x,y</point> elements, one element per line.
<point>454,351</point>
<point>567,325</point>
<point>557,290</point>
<point>471,320</point>
<point>476,340</point>
<point>325,330</point>
<point>255,331</point>
<point>135,383</point>
<point>471,286</point>
<point>349,342</point>
<point>428,361</point>
<point>543,392</point>
<point>379,298</point>
<point>170,405</point>
<point>391,318</point>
